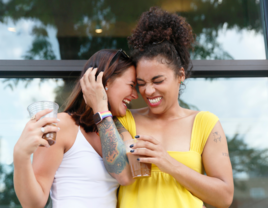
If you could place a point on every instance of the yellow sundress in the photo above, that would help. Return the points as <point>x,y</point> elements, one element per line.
<point>161,190</point>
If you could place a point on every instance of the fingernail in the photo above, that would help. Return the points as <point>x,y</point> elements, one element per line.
<point>137,136</point>
<point>58,128</point>
<point>58,119</point>
<point>132,145</point>
<point>138,159</point>
<point>131,151</point>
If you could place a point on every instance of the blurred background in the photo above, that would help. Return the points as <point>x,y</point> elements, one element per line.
<point>73,30</point>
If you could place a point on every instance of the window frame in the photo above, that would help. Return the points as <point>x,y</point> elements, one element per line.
<point>73,68</point>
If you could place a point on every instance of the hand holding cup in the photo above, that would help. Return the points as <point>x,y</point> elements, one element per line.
<point>31,137</point>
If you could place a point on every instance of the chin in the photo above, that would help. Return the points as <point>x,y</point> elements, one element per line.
<point>123,112</point>
<point>156,110</point>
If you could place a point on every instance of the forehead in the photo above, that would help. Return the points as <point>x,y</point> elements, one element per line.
<point>148,68</point>
<point>128,75</point>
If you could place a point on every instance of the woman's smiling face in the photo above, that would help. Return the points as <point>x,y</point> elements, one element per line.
<point>158,84</point>
<point>121,90</point>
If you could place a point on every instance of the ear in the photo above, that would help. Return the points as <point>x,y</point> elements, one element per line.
<point>108,83</point>
<point>181,75</point>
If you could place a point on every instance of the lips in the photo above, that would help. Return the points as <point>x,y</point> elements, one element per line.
<point>125,102</point>
<point>154,101</point>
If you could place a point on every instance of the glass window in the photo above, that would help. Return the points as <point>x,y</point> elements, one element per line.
<point>16,95</point>
<point>240,104</point>
<point>224,29</point>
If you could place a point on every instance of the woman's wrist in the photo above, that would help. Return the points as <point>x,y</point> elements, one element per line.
<point>101,108</point>
<point>20,155</point>
<point>175,168</point>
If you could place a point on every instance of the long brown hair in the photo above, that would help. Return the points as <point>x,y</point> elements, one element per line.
<point>81,113</point>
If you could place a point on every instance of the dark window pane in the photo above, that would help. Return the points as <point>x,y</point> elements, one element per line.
<point>225,29</point>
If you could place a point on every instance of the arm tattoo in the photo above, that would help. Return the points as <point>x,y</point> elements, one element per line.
<point>225,154</point>
<point>113,148</point>
<point>217,136</point>
<point>119,127</point>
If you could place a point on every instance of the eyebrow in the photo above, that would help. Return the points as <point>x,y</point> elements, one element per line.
<point>156,77</point>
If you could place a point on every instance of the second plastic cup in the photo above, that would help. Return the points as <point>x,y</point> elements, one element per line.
<point>34,108</point>
<point>138,169</point>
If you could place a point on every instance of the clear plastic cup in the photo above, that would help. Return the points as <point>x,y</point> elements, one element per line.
<point>138,169</point>
<point>36,107</point>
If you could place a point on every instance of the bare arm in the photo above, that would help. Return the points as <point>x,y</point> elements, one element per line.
<point>215,188</point>
<point>113,149</point>
<point>32,181</point>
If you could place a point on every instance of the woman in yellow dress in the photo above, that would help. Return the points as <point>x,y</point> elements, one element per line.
<point>179,143</point>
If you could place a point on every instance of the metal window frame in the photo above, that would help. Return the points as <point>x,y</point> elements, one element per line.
<point>72,68</point>
<point>264,12</point>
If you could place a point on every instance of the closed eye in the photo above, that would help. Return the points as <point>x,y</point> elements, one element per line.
<point>140,84</point>
<point>159,82</point>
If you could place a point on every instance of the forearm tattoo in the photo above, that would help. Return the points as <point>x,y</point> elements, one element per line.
<point>119,127</point>
<point>113,148</point>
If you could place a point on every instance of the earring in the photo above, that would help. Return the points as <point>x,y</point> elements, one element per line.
<point>106,88</point>
<point>181,82</point>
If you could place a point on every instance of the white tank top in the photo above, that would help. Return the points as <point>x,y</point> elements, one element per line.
<point>81,180</point>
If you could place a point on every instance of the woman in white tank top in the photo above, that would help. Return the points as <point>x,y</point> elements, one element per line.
<point>73,170</point>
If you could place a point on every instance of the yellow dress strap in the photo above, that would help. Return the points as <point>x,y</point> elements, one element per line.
<point>129,123</point>
<point>203,124</point>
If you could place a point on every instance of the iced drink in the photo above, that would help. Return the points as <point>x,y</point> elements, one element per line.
<point>138,169</point>
<point>34,108</point>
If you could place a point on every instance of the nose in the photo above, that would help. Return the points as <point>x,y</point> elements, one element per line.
<point>149,90</point>
<point>134,93</point>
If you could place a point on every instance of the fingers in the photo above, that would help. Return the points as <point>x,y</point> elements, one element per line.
<point>47,121</point>
<point>147,139</point>
<point>49,128</point>
<point>92,75</point>
<point>143,144</point>
<point>99,78</point>
<point>43,142</point>
<point>148,160</point>
<point>82,83</point>
<point>144,152</point>
<point>42,113</point>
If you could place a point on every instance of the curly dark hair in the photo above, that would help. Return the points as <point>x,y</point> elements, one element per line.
<point>160,33</point>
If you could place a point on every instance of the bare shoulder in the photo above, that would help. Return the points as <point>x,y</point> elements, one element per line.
<point>190,112</point>
<point>67,126</point>
<point>65,119</point>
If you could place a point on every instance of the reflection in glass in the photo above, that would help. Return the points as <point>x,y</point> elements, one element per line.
<point>225,29</point>
<point>240,103</point>
<point>18,94</point>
